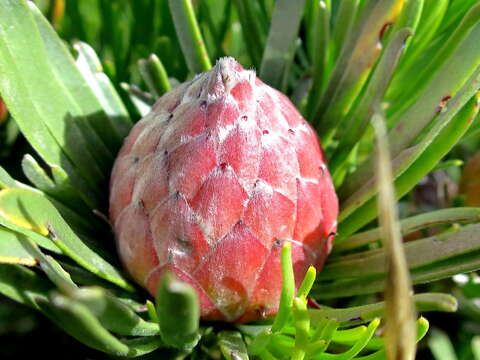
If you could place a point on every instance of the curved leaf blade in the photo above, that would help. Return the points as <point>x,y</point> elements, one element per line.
<point>31,211</point>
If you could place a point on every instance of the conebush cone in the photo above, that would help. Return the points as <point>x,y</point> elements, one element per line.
<point>211,182</point>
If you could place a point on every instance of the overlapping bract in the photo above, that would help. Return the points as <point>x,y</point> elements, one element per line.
<point>209,185</point>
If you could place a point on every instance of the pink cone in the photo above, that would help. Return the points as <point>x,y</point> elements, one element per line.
<point>209,185</point>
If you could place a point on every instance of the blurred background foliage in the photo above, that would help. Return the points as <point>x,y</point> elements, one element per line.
<point>124,31</point>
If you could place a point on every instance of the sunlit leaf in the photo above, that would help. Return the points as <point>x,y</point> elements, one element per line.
<point>31,211</point>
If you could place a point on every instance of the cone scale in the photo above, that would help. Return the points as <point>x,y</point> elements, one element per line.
<point>209,185</point>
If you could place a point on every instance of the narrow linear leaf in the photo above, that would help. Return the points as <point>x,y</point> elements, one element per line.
<point>301,322</point>
<point>357,347</point>
<point>456,79</point>
<point>32,211</point>
<point>419,253</point>
<point>232,345</point>
<point>178,312</point>
<point>451,51</point>
<point>79,322</point>
<point>378,343</point>
<point>321,53</point>
<point>36,174</point>
<point>91,69</point>
<point>23,285</point>
<point>307,283</point>
<point>441,346</point>
<point>357,120</point>
<point>141,100</point>
<point>416,161</point>
<point>12,250</point>
<point>412,224</point>
<point>189,35</point>
<point>365,313</point>
<point>63,196</point>
<point>85,107</point>
<point>325,330</point>
<point>346,287</point>
<point>281,39</point>
<point>476,347</point>
<point>253,34</point>
<point>288,288</point>
<point>113,314</point>
<point>431,17</point>
<point>50,266</point>
<point>154,75</point>
<point>26,89</point>
<point>344,21</point>
<point>6,181</point>
<point>354,63</point>
<point>409,18</point>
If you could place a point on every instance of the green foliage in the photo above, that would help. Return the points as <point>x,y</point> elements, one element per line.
<point>415,64</point>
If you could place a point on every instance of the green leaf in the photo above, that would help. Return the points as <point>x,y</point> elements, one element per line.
<point>23,285</point>
<point>307,283</point>
<point>31,211</point>
<point>364,313</point>
<point>320,34</point>
<point>50,267</point>
<point>253,34</point>
<point>301,322</point>
<point>441,346</point>
<point>415,83</point>
<point>418,254</point>
<point>343,24</point>
<point>61,194</point>
<point>412,164</point>
<point>281,40</point>
<point>323,334</point>
<point>476,347</point>
<point>378,343</point>
<point>113,314</point>
<point>63,191</point>
<point>36,174</point>
<point>32,84</point>
<point>12,250</point>
<point>409,18</point>
<point>353,66</point>
<point>96,127</point>
<point>77,320</point>
<point>288,289</point>
<point>142,101</point>
<point>344,287</point>
<point>431,18</point>
<point>232,345</point>
<point>368,102</point>
<point>6,181</point>
<point>356,348</point>
<point>261,340</point>
<point>154,75</point>
<point>410,225</point>
<point>189,35</point>
<point>178,312</point>
<point>91,69</point>
<point>457,78</point>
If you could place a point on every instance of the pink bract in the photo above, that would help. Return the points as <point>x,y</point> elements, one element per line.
<point>211,182</point>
